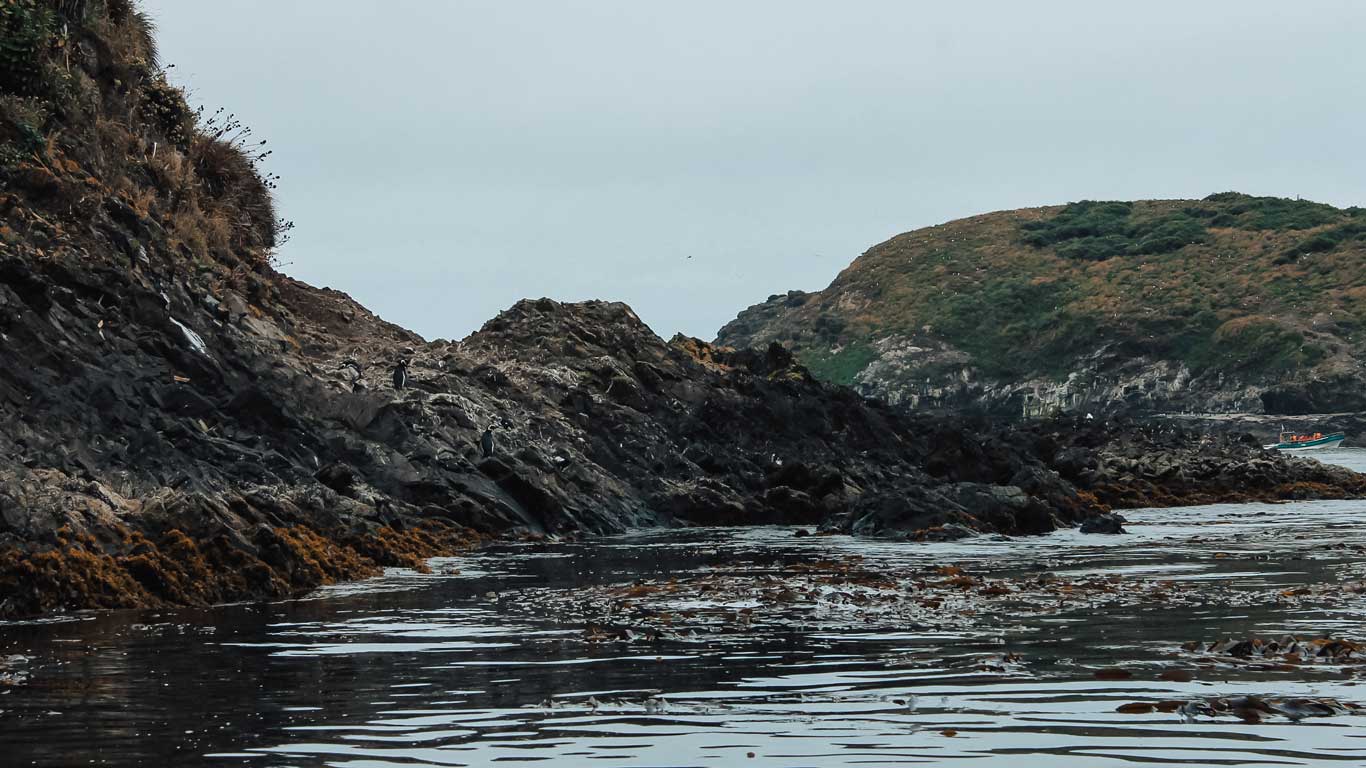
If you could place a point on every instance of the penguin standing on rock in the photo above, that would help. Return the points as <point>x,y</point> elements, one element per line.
<point>401,375</point>
<point>356,372</point>
<point>486,442</point>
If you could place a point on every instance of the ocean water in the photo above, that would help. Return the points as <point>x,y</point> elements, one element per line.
<point>1352,458</point>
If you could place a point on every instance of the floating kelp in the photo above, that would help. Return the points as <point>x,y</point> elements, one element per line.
<point>836,594</point>
<point>1249,709</point>
<point>1287,651</point>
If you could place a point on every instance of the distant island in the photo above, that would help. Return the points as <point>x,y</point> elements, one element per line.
<point>1229,304</point>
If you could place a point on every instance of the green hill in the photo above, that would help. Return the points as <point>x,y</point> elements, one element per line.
<point>1230,303</point>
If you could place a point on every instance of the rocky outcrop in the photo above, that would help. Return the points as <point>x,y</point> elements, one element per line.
<point>178,438</point>
<point>172,437</point>
<point>1160,465</point>
<point>700,435</point>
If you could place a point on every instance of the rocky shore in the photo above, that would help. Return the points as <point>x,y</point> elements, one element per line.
<point>170,440</point>
<point>1156,464</point>
<point>180,424</point>
<point>1267,428</point>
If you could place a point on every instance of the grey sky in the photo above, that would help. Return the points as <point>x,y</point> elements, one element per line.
<point>443,159</point>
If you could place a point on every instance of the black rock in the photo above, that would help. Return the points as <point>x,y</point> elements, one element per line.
<point>337,476</point>
<point>1108,524</point>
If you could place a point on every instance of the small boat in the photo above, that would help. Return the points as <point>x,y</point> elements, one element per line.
<point>1292,442</point>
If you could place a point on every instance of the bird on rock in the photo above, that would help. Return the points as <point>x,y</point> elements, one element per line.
<point>486,442</point>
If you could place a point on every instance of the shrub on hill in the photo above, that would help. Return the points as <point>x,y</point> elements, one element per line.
<point>1096,231</point>
<point>1234,209</point>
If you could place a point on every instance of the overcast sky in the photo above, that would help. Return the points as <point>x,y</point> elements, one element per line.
<point>443,159</point>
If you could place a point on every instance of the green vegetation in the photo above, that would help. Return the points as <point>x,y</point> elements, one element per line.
<point>27,28</point>
<point>1096,231</point>
<point>21,135</point>
<point>1233,209</point>
<point>1168,233</point>
<point>842,366</point>
<point>1010,327</point>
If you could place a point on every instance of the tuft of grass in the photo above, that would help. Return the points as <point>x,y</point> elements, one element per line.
<point>164,106</point>
<point>229,178</point>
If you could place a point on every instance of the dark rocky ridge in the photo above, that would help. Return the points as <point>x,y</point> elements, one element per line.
<point>180,424</point>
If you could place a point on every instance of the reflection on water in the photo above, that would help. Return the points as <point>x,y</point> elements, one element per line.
<point>496,664</point>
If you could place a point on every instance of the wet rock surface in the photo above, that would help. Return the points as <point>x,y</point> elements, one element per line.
<point>1107,524</point>
<point>1157,464</point>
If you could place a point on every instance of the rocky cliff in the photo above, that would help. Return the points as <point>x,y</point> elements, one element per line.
<point>1227,304</point>
<point>182,424</point>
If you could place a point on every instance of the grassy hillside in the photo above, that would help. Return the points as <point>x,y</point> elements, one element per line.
<point>90,125</point>
<point>1257,288</point>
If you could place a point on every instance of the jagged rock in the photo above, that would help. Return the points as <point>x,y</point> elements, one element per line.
<point>1005,509</point>
<point>902,514</point>
<point>791,506</point>
<point>337,476</point>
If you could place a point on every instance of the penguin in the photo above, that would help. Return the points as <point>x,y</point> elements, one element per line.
<point>401,375</point>
<point>486,442</point>
<point>352,368</point>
